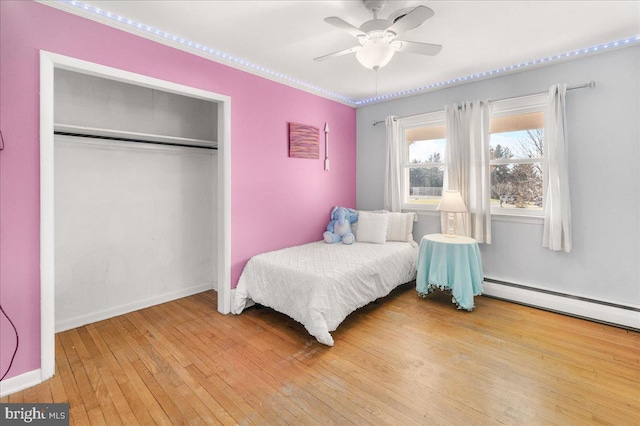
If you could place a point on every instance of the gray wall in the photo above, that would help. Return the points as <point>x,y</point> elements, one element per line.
<point>604,138</point>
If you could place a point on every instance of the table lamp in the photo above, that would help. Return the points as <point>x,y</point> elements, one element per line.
<point>451,203</point>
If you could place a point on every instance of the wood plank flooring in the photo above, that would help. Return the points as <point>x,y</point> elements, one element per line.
<point>400,361</point>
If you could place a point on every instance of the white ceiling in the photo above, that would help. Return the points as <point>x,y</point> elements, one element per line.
<point>478,36</point>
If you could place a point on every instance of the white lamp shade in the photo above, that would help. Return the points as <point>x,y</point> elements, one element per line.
<point>452,202</point>
<point>375,55</point>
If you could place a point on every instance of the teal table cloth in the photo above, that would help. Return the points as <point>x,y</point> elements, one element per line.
<point>451,264</point>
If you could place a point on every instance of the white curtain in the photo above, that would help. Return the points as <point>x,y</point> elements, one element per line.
<point>467,167</point>
<point>557,206</point>
<point>392,188</point>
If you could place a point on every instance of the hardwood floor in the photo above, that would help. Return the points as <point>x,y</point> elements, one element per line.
<point>401,361</point>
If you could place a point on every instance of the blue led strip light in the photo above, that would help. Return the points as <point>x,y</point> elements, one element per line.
<point>213,52</point>
<point>208,50</point>
<point>593,49</point>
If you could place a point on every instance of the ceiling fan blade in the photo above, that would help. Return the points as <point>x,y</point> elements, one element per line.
<point>411,20</point>
<point>416,47</point>
<point>339,53</point>
<point>345,26</point>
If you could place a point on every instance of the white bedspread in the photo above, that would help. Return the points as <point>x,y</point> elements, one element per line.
<point>319,284</point>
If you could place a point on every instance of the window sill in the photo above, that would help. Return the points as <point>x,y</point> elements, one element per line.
<point>419,207</point>
<point>517,218</point>
<point>495,217</point>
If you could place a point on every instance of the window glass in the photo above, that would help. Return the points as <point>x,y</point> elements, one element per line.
<point>517,186</point>
<point>423,162</point>
<point>427,151</point>
<point>517,162</point>
<point>425,185</point>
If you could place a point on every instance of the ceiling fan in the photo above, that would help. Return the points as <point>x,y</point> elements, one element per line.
<point>378,37</point>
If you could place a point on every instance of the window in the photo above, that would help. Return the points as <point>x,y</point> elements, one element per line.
<point>423,160</point>
<point>518,164</point>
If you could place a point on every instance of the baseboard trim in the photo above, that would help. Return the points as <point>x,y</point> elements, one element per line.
<point>18,383</point>
<point>130,307</point>
<point>594,310</point>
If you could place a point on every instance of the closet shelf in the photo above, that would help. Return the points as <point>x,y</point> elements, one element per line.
<point>94,131</point>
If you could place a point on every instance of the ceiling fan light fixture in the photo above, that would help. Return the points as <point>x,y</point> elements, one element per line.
<point>363,39</point>
<point>375,55</point>
<point>388,36</point>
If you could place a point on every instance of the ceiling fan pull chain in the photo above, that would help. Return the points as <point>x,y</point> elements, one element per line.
<point>376,70</point>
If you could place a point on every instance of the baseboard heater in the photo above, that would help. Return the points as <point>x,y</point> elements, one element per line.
<point>609,313</point>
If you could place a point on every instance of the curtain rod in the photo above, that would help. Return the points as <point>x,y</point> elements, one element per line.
<point>590,85</point>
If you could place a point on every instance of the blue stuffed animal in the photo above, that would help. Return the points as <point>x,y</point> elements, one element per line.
<point>339,228</point>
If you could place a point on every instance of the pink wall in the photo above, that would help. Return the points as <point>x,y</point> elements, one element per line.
<point>276,201</point>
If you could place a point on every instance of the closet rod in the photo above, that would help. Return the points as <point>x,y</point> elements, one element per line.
<point>112,138</point>
<point>590,85</point>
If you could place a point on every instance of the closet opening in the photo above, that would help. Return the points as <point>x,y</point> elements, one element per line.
<point>135,194</point>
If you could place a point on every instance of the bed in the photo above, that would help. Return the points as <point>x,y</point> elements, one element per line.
<point>319,284</point>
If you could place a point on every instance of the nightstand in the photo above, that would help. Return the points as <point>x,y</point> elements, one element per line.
<point>451,264</point>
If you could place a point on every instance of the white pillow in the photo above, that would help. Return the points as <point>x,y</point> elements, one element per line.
<point>354,226</point>
<point>400,227</point>
<point>372,227</point>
